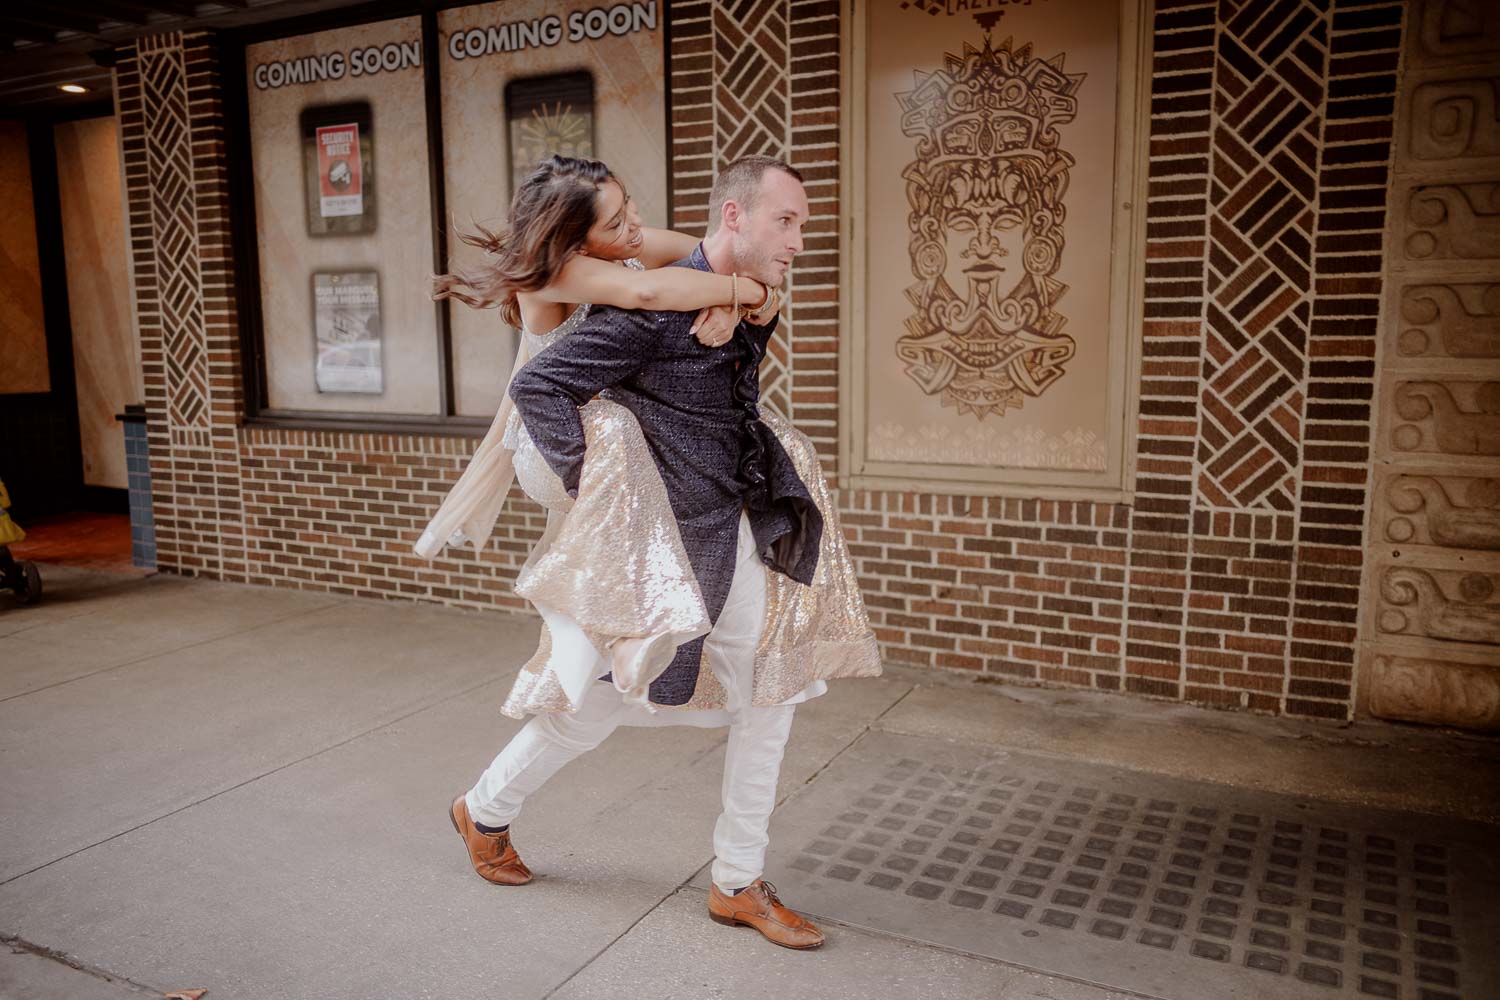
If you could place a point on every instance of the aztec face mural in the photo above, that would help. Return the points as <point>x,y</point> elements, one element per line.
<point>986,193</point>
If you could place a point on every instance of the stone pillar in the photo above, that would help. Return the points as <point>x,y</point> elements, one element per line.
<point>1430,649</point>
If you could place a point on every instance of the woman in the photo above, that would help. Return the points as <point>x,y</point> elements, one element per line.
<point>576,239</point>
<point>572,227</point>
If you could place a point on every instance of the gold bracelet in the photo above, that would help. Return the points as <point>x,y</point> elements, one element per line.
<point>769,307</point>
<point>734,279</point>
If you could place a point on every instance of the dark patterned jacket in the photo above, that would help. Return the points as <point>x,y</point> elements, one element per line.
<point>698,410</point>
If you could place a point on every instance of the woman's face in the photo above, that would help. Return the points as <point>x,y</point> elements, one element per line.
<point>616,232</point>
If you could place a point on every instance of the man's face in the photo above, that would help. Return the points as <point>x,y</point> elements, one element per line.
<point>769,235</point>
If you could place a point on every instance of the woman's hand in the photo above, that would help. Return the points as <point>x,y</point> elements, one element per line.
<point>714,326</point>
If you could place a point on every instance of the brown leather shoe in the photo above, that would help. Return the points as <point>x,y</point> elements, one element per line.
<point>759,907</point>
<point>491,854</point>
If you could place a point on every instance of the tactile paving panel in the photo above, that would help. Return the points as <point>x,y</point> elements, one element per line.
<point>1179,889</point>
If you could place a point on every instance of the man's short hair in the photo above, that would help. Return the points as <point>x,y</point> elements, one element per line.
<point>740,183</point>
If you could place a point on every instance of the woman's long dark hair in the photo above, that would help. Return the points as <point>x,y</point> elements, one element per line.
<point>550,218</point>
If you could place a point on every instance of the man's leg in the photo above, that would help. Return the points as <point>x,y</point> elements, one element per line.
<point>542,747</point>
<point>752,765</point>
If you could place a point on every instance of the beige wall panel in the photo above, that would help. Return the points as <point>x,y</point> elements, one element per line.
<point>995,333</point>
<point>1430,618</point>
<point>399,250</point>
<point>106,355</point>
<point>629,134</point>
<point>23,338</point>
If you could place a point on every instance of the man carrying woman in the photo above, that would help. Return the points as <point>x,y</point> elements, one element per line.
<point>693,570</point>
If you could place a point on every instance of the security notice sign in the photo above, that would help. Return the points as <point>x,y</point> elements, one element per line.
<point>346,315</point>
<point>339,175</point>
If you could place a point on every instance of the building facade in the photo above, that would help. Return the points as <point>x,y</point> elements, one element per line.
<point>1288,501</point>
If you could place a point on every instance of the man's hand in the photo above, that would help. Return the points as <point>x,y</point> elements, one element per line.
<point>714,326</point>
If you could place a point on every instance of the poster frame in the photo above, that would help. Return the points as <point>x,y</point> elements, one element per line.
<point>311,120</point>
<point>346,272</point>
<point>1127,275</point>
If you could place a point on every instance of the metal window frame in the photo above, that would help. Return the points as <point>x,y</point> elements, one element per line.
<point>244,241</point>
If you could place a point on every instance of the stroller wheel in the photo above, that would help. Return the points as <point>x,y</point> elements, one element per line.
<point>30,590</point>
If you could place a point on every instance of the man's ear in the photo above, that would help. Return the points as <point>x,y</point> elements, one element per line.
<point>729,215</point>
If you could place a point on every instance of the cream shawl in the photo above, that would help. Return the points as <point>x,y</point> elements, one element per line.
<point>469,511</point>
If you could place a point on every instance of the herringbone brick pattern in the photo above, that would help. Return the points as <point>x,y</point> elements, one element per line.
<point>752,112</point>
<point>752,95</point>
<point>1268,96</point>
<point>177,201</point>
<point>174,236</point>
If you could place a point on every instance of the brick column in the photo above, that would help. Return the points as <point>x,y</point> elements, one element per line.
<point>177,204</point>
<point>741,85</point>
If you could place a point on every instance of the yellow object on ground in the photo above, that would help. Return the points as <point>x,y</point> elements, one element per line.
<point>10,531</point>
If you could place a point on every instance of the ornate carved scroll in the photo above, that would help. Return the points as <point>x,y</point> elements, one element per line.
<point>1435,691</point>
<point>1455,118</point>
<point>1453,321</point>
<point>1414,602</point>
<point>1454,221</point>
<point>1465,514</point>
<point>1452,418</point>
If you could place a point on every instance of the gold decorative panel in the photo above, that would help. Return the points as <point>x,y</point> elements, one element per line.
<point>23,361</point>
<point>991,319</point>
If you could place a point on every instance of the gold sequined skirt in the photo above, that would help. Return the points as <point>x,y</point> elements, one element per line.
<point>615,563</point>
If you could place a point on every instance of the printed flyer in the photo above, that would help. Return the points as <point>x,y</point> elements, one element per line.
<point>339,177</point>
<point>346,311</point>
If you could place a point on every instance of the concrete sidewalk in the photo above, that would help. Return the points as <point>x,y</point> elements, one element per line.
<point>245,789</point>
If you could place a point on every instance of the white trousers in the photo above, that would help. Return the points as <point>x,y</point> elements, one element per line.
<point>757,735</point>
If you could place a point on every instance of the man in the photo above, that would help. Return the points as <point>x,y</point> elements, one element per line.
<point>754,519</point>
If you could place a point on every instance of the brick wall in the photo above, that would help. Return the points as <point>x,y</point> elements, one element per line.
<point>1232,577</point>
<point>319,510</point>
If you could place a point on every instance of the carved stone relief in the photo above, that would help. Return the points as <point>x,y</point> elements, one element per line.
<point>1440,692</point>
<point>1449,321</point>
<point>1452,511</point>
<point>1439,604</point>
<point>1448,418</point>
<point>1457,28</point>
<point>1430,614</point>
<point>1454,221</point>
<point>1455,118</point>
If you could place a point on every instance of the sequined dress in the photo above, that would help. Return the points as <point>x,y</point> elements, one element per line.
<point>613,559</point>
<point>533,474</point>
